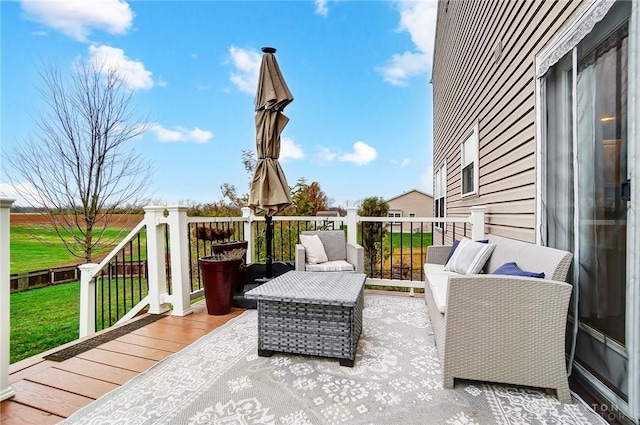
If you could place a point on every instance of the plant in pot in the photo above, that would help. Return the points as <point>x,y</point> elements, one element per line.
<point>219,241</point>
<point>219,275</point>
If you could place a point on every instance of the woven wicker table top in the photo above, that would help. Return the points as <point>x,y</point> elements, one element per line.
<point>330,288</point>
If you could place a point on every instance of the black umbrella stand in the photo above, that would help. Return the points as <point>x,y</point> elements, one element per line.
<point>269,241</point>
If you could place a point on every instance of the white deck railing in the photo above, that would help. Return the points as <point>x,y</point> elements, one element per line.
<point>159,298</point>
<point>5,291</point>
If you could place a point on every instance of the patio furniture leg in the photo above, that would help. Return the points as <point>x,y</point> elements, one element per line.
<point>563,393</point>
<point>265,353</point>
<point>447,382</point>
<point>347,362</point>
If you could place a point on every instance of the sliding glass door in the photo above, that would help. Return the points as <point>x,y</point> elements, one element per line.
<point>585,191</point>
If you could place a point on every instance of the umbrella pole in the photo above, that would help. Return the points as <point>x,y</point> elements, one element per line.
<point>269,241</point>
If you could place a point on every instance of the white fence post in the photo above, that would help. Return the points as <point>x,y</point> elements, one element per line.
<point>87,299</point>
<point>156,261</point>
<point>352,224</point>
<point>179,251</point>
<point>248,232</point>
<point>477,222</point>
<point>5,293</point>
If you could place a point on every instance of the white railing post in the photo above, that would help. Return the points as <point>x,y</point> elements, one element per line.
<point>5,293</point>
<point>477,222</point>
<point>156,261</point>
<point>87,299</point>
<point>179,251</point>
<point>248,232</point>
<point>352,224</point>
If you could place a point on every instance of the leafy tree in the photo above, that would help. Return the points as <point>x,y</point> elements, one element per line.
<point>372,233</point>
<point>78,165</point>
<point>308,199</point>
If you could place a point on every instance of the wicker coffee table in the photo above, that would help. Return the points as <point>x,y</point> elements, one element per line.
<point>311,313</point>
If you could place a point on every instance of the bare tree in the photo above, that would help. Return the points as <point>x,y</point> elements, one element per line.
<point>78,165</point>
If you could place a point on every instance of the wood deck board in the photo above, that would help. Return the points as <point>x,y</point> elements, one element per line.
<point>48,391</point>
<point>18,414</point>
<point>72,382</point>
<point>148,342</point>
<point>97,370</point>
<point>135,350</point>
<point>182,334</point>
<point>117,360</point>
<point>50,400</point>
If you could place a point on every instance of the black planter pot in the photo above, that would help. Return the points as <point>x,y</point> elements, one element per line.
<point>219,280</point>
<point>230,246</point>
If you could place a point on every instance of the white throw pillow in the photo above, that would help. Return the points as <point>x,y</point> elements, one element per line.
<point>470,257</point>
<point>314,249</point>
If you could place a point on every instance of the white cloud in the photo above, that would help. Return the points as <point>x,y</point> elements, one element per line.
<point>326,155</point>
<point>426,180</point>
<point>321,8</point>
<point>77,18</point>
<point>25,194</point>
<point>181,134</point>
<point>289,150</point>
<point>134,72</point>
<point>401,164</point>
<point>404,66</point>
<point>246,70</point>
<point>362,154</point>
<point>418,18</point>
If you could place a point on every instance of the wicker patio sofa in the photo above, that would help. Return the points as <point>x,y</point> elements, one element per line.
<point>505,329</point>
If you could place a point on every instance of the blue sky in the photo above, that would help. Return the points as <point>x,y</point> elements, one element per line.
<point>360,123</point>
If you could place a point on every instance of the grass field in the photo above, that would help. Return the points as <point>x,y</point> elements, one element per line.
<point>36,248</point>
<point>43,319</point>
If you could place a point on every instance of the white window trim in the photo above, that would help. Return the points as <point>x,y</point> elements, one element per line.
<point>476,167</point>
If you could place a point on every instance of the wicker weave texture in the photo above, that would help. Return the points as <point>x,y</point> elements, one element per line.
<point>334,288</point>
<point>507,329</point>
<point>311,313</point>
<point>311,329</point>
<point>437,254</point>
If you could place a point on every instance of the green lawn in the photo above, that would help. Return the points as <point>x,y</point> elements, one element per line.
<point>36,247</point>
<point>43,318</point>
<point>414,239</point>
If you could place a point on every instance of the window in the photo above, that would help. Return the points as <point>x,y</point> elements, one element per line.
<point>440,193</point>
<point>469,151</point>
<point>412,215</point>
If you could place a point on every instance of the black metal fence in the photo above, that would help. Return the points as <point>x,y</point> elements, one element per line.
<point>122,283</point>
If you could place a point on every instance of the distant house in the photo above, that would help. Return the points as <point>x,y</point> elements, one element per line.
<point>413,203</point>
<point>536,118</point>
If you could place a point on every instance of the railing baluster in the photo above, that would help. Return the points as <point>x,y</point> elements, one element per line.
<point>140,268</point>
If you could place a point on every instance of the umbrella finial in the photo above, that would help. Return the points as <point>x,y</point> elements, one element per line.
<point>269,49</point>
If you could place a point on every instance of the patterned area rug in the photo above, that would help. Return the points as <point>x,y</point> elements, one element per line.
<point>396,380</point>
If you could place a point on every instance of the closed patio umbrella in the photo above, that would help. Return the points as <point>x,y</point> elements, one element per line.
<point>269,189</point>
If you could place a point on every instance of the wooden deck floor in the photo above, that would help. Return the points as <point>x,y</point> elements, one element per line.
<point>48,391</point>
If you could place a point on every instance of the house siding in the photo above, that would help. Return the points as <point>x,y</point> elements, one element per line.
<point>484,75</point>
<point>412,202</point>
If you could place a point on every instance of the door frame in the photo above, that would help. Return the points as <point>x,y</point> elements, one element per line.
<point>553,51</point>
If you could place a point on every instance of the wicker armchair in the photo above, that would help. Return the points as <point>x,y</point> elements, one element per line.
<point>342,256</point>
